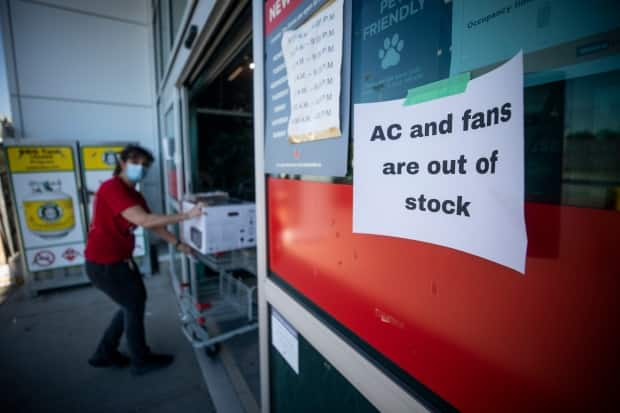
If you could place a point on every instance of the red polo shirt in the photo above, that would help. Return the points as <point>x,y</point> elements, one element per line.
<point>110,236</point>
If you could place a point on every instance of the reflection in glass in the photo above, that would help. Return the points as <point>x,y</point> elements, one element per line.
<point>591,168</point>
<point>164,33</point>
<point>177,11</point>
<point>572,142</point>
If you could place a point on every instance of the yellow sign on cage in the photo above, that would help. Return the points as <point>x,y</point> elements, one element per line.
<point>100,157</point>
<point>40,158</point>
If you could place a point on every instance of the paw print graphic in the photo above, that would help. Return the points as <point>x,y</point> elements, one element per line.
<point>390,53</point>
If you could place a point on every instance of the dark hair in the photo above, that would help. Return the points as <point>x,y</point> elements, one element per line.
<point>132,152</point>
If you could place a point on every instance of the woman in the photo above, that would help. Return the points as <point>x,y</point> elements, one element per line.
<point>118,210</point>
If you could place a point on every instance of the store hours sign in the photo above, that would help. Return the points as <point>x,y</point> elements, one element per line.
<point>307,86</point>
<point>313,58</point>
<point>447,171</point>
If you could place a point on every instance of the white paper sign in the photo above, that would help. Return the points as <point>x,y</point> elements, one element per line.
<point>284,339</point>
<point>313,57</point>
<point>448,171</point>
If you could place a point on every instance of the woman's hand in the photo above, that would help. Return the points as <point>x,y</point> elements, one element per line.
<point>196,211</point>
<point>185,249</point>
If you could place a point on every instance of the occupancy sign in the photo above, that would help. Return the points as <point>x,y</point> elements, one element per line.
<point>447,171</point>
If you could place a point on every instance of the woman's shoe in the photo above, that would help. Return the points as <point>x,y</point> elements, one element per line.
<point>115,359</point>
<point>152,362</point>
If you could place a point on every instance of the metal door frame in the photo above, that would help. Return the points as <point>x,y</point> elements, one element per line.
<point>368,379</point>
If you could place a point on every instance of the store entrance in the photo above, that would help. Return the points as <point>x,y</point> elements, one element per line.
<point>222,283</point>
<point>221,128</point>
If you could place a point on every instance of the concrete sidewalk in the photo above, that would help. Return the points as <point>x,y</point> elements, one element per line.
<point>45,343</point>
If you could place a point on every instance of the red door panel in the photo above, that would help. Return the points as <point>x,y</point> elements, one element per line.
<point>172,183</point>
<point>483,337</point>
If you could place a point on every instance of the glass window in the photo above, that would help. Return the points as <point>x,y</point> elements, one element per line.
<point>175,257</point>
<point>572,141</point>
<point>178,9</point>
<point>165,33</point>
<point>591,161</point>
<point>157,40</point>
<point>171,162</point>
<point>169,123</point>
<point>572,93</point>
<point>5,104</point>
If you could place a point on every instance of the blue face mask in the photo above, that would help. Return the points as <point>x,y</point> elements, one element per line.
<point>135,172</point>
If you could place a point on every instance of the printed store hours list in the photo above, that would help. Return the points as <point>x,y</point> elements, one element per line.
<point>313,56</point>
<point>307,87</point>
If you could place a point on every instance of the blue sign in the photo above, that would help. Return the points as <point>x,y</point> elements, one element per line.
<point>398,45</point>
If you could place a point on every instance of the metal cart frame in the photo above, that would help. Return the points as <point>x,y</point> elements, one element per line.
<point>229,298</point>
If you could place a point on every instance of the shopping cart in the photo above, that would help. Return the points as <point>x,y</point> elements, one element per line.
<point>222,303</point>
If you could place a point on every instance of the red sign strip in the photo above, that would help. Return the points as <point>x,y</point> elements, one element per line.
<point>276,11</point>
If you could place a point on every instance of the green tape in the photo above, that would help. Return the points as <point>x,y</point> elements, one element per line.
<point>442,88</point>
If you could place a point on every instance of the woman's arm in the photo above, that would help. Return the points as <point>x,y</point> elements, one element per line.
<point>172,239</point>
<point>138,216</point>
<point>164,234</point>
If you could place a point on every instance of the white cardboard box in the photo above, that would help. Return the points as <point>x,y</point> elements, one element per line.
<point>220,228</point>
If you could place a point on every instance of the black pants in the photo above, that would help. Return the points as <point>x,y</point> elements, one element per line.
<point>122,282</point>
